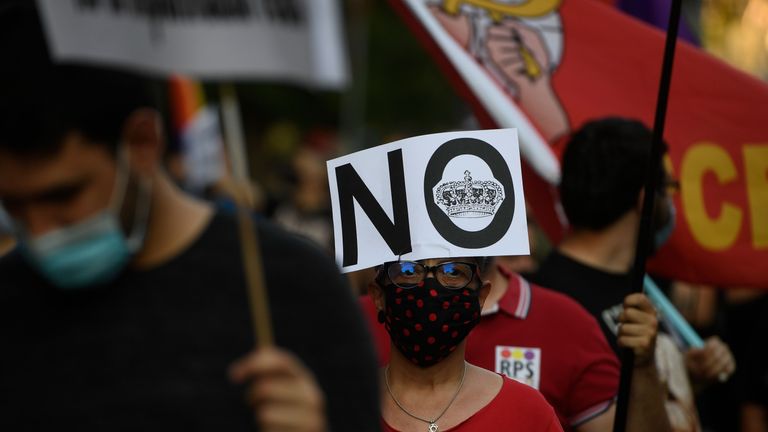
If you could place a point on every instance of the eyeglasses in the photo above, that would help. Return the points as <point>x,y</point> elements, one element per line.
<point>668,184</point>
<point>671,185</point>
<point>452,275</point>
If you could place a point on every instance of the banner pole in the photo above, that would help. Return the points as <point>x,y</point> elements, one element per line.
<point>258,300</point>
<point>233,130</point>
<point>644,236</point>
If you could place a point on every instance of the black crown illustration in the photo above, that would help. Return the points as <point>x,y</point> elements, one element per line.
<point>469,198</point>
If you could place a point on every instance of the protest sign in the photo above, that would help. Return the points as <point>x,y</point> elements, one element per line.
<point>454,194</point>
<point>286,40</point>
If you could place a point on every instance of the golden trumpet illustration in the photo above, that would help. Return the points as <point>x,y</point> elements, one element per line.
<point>497,11</point>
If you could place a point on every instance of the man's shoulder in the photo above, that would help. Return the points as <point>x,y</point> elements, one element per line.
<point>577,327</point>
<point>296,260</point>
<point>283,249</point>
<point>557,304</point>
<point>276,243</point>
<point>554,269</point>
<point>272,235</point>
<point>577,280</point>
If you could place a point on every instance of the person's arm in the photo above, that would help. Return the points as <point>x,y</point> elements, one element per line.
<point>590,405</point>
<point>638,329</point>
<point>599,423</point>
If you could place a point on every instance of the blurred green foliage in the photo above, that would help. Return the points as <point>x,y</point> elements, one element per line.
<point>407,93</point>
<point>396,90</point>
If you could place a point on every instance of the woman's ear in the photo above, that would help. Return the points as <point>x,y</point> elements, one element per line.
<point>377,294</point>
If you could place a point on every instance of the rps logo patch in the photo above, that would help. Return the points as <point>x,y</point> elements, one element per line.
<point>522,364</point>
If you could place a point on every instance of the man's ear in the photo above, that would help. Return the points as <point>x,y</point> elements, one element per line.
<point>377,294</point>
<point>143,137</point>
<point>483,291</point>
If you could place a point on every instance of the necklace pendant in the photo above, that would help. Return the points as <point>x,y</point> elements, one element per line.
<point>432,427</point>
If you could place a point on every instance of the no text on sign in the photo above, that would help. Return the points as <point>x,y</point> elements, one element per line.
<point>455,194</point>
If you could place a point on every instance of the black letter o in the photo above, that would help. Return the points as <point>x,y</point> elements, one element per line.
<point>504,214</point>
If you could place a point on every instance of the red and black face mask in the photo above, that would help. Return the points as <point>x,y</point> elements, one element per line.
<point>427,322</point>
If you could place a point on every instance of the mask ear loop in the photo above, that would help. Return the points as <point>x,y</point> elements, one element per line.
<point>135,238</point>
<point>141,216</point>
<point>121,181</point>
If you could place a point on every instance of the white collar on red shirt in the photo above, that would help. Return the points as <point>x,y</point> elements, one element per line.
<point>517,300</point>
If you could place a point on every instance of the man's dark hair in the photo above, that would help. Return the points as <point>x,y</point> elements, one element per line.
<point>603,171</point>
<point>41,102</point>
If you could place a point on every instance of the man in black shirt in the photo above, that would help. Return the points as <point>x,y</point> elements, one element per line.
<point>125,305</point>
<point>601,191</point>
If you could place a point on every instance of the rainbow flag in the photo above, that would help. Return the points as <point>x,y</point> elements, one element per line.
<point>199,134</point>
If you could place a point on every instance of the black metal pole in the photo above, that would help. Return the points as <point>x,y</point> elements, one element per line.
<point>644,236</point>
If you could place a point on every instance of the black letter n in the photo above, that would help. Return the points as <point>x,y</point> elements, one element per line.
<point>351,188</point>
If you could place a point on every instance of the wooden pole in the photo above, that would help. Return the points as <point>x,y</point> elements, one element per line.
<point>258,299</point>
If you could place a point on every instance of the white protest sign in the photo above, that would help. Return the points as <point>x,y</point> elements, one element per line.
<point>287,40</point>
<point>454,194</point>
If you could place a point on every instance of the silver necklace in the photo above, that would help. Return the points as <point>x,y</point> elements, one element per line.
<point>432,423</point>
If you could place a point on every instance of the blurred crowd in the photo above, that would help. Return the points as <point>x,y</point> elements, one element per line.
<point>177,269</point>
<point>290,187</point>
<point>293,192</point>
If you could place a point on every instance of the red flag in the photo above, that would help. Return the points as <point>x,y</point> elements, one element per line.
<point>562,63</point>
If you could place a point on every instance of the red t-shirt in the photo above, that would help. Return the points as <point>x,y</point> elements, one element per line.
<point>516,408</point>
<point>541,338</point>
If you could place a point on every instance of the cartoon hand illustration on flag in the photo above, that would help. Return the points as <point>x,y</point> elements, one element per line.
<point>458,25</point>
<point>522,56</point>
<point>520,45</point>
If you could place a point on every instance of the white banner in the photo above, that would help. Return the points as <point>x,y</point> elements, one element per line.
<point>454,194</point>
<point>287,40</point>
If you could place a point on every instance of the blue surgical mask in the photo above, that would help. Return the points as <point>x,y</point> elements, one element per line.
<point>665,232</point>
<point>89,253</point>
<point>93,251</point>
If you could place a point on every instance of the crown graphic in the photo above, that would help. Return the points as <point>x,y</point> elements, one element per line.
<point>469,198</point>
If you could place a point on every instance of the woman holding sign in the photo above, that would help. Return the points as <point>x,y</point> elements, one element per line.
<point>429,307</point>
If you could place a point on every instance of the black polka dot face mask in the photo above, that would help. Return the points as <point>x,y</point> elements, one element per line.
<point>427,322</point>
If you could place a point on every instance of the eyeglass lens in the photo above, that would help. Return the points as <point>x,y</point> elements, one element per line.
<point>408,274</point>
